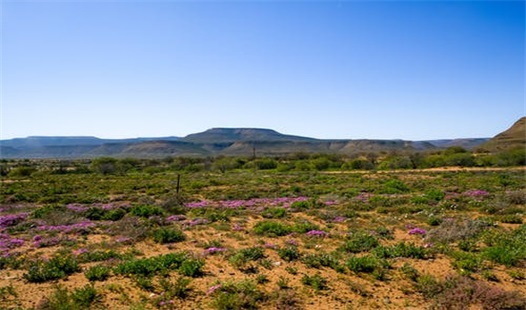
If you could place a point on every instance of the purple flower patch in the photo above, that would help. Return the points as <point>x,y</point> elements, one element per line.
<point>417,231</point>
<point>212,289</point>
<point>175,218</point>
<point>213,250</point>
<point>68,228</point>
<point>12,219</point>
<point>317,233</point>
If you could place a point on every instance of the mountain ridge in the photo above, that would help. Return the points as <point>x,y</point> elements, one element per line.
<point>212,142</point>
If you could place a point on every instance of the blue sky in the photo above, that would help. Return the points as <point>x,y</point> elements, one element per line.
<point>410,70</point>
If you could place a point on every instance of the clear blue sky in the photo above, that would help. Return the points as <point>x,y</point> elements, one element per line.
<point>327,69</point>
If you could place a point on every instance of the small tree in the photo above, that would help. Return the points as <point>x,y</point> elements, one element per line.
<point>104,165</point>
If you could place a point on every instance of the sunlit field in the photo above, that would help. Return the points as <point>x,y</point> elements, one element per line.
<point>237,233</point>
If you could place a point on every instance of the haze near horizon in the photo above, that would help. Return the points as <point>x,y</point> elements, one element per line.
<point>332,70</point>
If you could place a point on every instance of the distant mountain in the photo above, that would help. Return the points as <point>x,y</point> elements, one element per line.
<point>467,143</point>
<point>42,141</point>
<point>230,135</point>
<point>212,142</point>
<point>513,137</point>
<point>37,141</point>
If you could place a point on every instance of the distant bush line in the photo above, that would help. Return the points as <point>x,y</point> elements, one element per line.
<point>450,157</point>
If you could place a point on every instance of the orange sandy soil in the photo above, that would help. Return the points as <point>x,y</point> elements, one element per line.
<point>346,290</point>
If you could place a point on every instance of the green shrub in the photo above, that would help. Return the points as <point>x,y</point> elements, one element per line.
<point>287,299</point>
<point>428,285</point>
<point>97,273</point>
<point>393,186</point>
<point>172,289</point>
<point>321,260</point>
<point>289,253</point>
<point>271,228</point>
<point>80,298</point>
<point>410,272</point>
<point>85,296</point>
<point>401,249</point>
<point>144,282</point>
<point>236,295</point>
<point>434,221</point>
<point>240,258</point>
<point>510,219</point>
<point>365,263</point>
<point>192,267</point>
<point>164,235</point>
<point>57,267</point>
<point>98,256</point>
<point>360,242</point>
<point>146,210</point>
<point>151,266</point>
<point>274,213</point>
<point>466,262</point>
<point>507,248</point>
<point>304,226</point>
<point>114,215</point>
<point>317,282</point>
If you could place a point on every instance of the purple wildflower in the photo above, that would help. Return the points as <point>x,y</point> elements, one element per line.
<point>292,242</point>
<point>237,227</point>
<point>417,231</point>
<point>213,250</point>
<point>270,245</point>
<point>339,219</point>
<point>175,218</point>
<point>317,233</point>
<point>77,208</point>
<point>80,251</point>
<point>212,289</point>
<point>476,194</point>
<point>198,221</point>
<point>68,228</point>
<point>363,197</point>
<point>123,239</point>
<point>12,219</point>
<point>41,243</point>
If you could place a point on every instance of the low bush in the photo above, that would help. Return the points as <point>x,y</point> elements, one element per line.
<point>289,253</point>
<point>242,257</point>
<point>317,282</point>
<point>287,299</point>
<point>150,266</point>
<point>97,273</point>
<point>367,263</point>
<point>322,260</point>
<point>274,213</point>
<point>401,249</point>
<point>146,210</point>
<point>98,256</point>
<point>271,228</point>
<point>235,295</point>
<point>191,267</point>
<point>507,248</point>
<point>62,299</point>
<point>164,235</point>
<point>57,267</point>
<point>360,242</point>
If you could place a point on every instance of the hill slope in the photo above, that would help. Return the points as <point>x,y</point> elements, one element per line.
<point>513,137</point>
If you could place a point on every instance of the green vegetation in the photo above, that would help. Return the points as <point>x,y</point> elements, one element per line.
<point>265,233</point>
